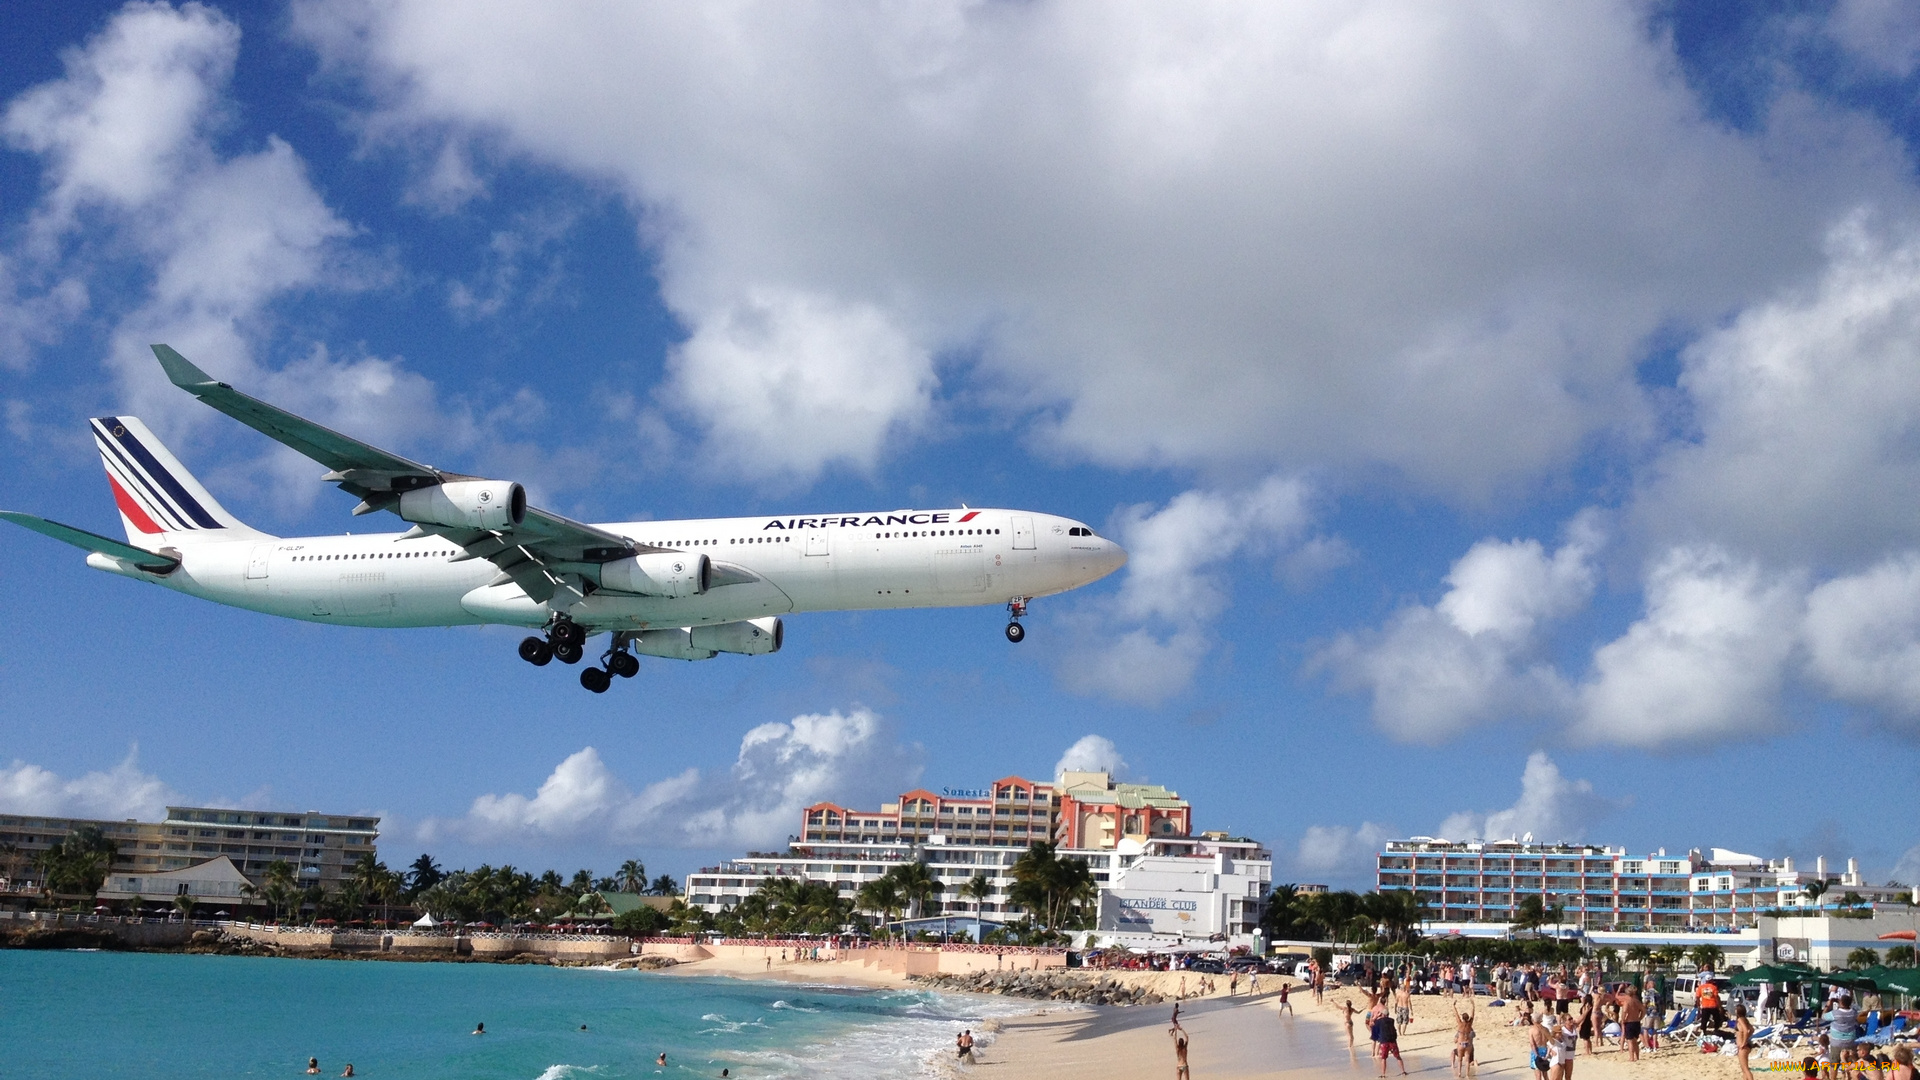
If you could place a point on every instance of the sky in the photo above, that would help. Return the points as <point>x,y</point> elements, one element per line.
<point>1512,411</point>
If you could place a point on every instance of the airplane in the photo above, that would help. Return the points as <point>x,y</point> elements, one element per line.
<point>479,554</point>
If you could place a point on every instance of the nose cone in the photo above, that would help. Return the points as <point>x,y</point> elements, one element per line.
<point>1112,557</point>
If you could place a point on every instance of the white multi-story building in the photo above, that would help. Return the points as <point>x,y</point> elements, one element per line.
<point>964,833</point>
<point>1219,893</point>
<point>1604,888</point>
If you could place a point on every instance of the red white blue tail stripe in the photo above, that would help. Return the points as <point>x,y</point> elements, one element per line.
<point>154,492</point>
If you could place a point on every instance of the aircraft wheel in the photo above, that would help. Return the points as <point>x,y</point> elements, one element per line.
<point>1016,633</point>
<point>625,665</point>
<point>569,632</point>
<point>567,652</point>
<point>536,651</point>
<point>596,679</point>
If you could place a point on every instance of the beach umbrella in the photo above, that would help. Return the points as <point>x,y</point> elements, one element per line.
<point>1774,973</point>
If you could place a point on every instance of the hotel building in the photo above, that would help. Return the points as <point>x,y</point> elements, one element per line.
<point>963,832</point>
<point>321,848</point>
<point>1604,888</point>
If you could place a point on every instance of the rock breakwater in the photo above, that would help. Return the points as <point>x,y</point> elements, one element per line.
<point>1082,988</point>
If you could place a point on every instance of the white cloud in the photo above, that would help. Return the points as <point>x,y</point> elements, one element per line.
<point>1863,636</point>
<point>1885,33</point>
<point>1808,408</point>
<point>1430,237</point>
<point>781,768</point>
<point>137,188</point>
<point>123,791</point>
<point>1091,753</point>
<point>1146,643</point>
<point>1474,657</point>
<point>1551,807</point>
<point>1340,853</point>
<point>1706,660</point>
<point>789,383</point>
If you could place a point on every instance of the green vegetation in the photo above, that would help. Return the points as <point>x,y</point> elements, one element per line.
<point>1390,918</point>
<point>78,864</point>
<point>1862,957</point>
<point>1058,893</point>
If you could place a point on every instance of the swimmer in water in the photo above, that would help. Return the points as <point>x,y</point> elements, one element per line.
<point>480,1029</point>
<point>349,1071</point>
<point>313,1066</point>
<point>661,1060</point>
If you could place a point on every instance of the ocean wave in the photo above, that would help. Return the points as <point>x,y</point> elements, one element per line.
<point>781,1004</point>
<point>562,1072</point>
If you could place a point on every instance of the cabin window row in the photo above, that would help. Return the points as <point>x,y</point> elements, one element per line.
<point>366,555</point>
<point>935,532</point>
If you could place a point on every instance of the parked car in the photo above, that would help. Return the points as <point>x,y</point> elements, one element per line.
<point>1685,985</point>
<point>1208,967</point>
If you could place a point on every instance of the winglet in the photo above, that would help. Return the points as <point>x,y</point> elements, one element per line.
<point>181,370</point>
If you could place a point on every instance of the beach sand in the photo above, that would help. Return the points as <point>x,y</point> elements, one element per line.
<point>1236,1037</point>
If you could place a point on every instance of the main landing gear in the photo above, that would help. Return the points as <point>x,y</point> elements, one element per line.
<point>565,641</point>
<point>1016,608</point>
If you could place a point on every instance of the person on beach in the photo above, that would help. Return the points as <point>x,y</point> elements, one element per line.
<point>1285,1005</point>
<point>1386,1040</point>
<point>1633,1013</point>
<point>963,1043</point>
<point>1566,1041</point>
<point>1403,1004</point>
<point>313,1066</point>
<point>1589,1020</point>
<point>1843,1023</point>
<point>1347,1004</point>
<point>1540,1046</point>
<point>1463,1063</point>
<point>1179,1052</point>
<point>1903,1064</point>
<point>1742,1040</point>
<point>1707,995</point>
<point>1233,984</point>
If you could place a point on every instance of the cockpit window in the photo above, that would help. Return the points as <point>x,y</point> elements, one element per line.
<point>1079,531</point>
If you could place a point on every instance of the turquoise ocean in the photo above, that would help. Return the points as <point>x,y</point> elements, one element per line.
<point>103,1014</point>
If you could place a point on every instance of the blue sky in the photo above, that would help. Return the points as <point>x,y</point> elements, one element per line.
<point>1513,413</point>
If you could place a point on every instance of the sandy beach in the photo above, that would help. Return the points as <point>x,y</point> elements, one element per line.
<point>1235,1037</point>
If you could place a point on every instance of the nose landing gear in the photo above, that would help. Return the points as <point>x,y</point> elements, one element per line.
<point>1016,608</point>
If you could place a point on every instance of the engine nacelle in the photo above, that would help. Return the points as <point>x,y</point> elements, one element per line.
<point>751,637</point>
<point>467,504</point>
<point>670,644</point>
<point>661,573</point>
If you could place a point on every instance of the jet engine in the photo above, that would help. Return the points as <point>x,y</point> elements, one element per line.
<point>669,644</point>
<point>663,573</point>
<point>751,637</point>
<point>467,504</point>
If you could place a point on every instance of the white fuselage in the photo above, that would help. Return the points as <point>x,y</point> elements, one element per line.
<point>889,559</point>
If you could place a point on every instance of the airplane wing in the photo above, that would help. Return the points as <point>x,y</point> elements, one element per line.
<point>150,561</point>
<point>378,477</point>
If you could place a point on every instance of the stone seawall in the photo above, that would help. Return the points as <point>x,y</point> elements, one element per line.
<point>507,948</point>
<point>1082,987</point>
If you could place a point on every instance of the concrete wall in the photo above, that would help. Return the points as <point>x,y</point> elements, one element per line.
<point>431,946</point>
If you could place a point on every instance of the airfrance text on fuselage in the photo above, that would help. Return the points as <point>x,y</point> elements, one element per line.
<point>854,521</point>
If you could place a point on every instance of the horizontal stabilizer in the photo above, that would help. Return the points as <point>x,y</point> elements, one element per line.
<point>151,561</point>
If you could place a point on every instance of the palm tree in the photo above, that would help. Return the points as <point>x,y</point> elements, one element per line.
<point>1706,956</point>
<point>664,885</point>
<point>1640,956</point>
<point>1607,956</point>
<point>1530,913</point>
<point>1049,886</point>
<point>880,896</point>
<point>1396,912</point>
<point>78,864</point>
<point>1814,890</point>
<point>582,882</point>
<point>1669,955</point>
<point>1862,957</point>
<point>184,904</point>
<point>978,889</point>
<point>917,886</point>
<point>633,876</point>
<point>1900,956</point>
<point>424,874</point>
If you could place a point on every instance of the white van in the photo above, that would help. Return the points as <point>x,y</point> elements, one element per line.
<point>1684,985</point>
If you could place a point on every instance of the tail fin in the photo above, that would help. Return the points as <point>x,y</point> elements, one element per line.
<point>157,496</point>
